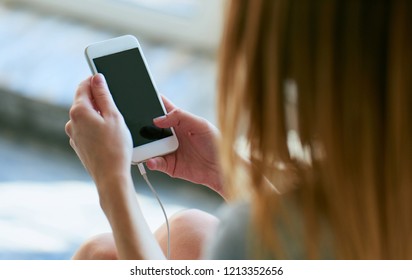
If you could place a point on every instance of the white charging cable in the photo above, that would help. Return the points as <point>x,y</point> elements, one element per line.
<point>143,172</point>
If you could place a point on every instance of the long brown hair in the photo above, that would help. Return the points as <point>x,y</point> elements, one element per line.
<point>335,78</point>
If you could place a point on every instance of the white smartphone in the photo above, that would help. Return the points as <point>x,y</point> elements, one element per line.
<point>122,63</point>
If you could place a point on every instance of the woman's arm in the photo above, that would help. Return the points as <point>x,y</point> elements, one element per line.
<point>133,238</point>
<point>103,143</point>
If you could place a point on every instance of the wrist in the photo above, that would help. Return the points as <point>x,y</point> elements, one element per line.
<point>114,191</point>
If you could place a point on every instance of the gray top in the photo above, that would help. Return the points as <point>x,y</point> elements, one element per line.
<point>234,236</point>
<point>230,240</point>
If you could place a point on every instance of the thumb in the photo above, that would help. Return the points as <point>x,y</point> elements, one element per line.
<point>101,94</point>
<point>171,119</point>
<point>179,118</point>
<point>157,164</point>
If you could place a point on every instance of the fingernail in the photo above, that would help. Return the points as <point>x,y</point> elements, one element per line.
<point>161,118</point>
<point>99,80</point>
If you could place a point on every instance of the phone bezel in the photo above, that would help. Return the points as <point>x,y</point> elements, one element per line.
<point>123,43</point>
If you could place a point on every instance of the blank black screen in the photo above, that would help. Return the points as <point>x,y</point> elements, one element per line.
<point>134,94</point>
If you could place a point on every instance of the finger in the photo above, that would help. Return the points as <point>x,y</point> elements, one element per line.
<point>83,94</point>
<point>179,118</point>
<point>71,141</point>
<point>84,88</point>
<point>102,98</point>
<point>168,104</point>
<point>157,164</point>
<point>172,119</point>
<point>68,128</point>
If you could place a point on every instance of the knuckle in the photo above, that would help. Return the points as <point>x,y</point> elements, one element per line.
<point>115,115</point>
<point>71,143</point>
<point>67,128</point>
<point>84,84</point>
<point>175,116</point>
<point>77,112</point>
<point>177,112</point>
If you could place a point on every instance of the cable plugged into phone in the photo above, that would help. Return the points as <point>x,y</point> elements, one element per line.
<point>144,175</point>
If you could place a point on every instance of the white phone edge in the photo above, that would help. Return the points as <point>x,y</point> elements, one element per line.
<point>154,149</point>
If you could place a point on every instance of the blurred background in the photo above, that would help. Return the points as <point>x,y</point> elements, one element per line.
<point>48,204</point>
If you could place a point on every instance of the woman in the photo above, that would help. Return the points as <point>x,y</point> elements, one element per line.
<point>320,93</point>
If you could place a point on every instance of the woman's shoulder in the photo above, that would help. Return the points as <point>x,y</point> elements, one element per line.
<point>235,236</point>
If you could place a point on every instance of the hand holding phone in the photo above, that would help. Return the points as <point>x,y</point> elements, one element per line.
<point>101,139</point>
<point>121,61</point>
<point>196,160</point>
<point>98,132</point>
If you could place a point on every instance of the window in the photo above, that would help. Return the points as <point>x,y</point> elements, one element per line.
<point>194,23</point>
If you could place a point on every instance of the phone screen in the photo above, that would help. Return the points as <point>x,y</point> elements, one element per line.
<point>134,94</point>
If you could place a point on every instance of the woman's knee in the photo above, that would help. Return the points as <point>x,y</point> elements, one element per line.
<point>190,230</point>
<point>99,247</point>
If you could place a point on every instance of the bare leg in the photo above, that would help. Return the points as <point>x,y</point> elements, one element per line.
<point>99,247</point>
<point>190,229</point>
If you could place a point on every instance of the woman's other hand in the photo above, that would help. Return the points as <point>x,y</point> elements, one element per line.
<point>196,158</point>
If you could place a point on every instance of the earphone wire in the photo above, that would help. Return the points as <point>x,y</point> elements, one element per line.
<point>146,178</point>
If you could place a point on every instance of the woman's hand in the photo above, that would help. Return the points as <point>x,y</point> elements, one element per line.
<point>98,132</point>
<point>103,143</point>
<point>196,158</point>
